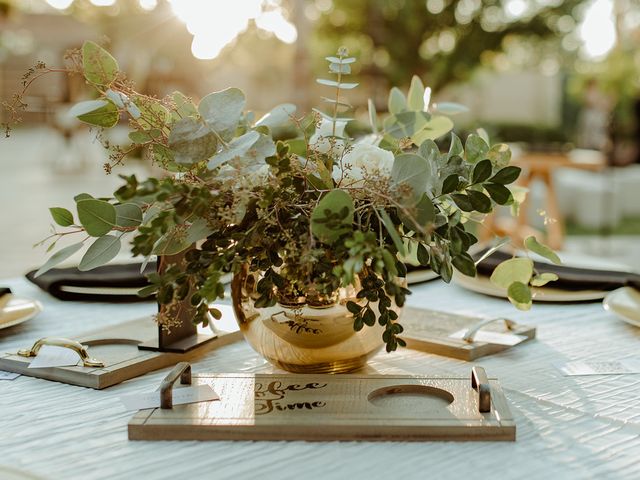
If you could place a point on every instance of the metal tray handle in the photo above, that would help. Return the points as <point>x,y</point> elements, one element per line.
<point>480,382</point>
<point>182,370</point>
<point>471,333</point>
<point>77,347</point>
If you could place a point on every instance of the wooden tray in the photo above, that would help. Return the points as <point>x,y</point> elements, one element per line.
<point>331,407</point>
<point>117,348</point>
<point>429,330</point>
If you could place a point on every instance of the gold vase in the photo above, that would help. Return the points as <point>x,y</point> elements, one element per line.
<point>305,335</point>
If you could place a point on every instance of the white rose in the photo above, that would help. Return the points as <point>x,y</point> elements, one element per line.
<point>363,157</point>
<point>320,141</point>
<point>248,178</point>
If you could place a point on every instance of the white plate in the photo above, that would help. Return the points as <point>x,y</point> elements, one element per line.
<point>18,310</point>
<point>481,284</point>
<point>625,303</point>
<point>419,276</point>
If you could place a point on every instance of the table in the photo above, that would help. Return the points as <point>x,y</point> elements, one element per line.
<point>540,165</point>
<point>568,427</point>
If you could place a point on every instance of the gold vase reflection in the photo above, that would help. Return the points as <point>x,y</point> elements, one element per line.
<point>305,335</point>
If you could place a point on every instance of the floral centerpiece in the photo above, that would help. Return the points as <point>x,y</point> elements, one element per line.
<point>315,229</point>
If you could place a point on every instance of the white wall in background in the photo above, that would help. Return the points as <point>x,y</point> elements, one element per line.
<point>526,97</point>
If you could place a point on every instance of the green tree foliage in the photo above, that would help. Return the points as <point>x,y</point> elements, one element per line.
<point>441,41</point>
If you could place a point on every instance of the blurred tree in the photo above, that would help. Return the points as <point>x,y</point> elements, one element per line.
<point>442,41</point>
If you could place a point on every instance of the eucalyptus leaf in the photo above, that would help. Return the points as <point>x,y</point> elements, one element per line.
<point>543,278</point>
<point>163,156</point>
<point>101,252</point>
<point>182,237</point>
<point>236,149</point>
<point>128,215</point>
<point>532,244</point>
<point>476,148</point>
<point>455,148</point>
<point>339,68</point>
<point>512,270</point>
<point>388,224</point>
<point>101,113</point>
<point>333,216</point>
<point>519,295</point>
<point>61,216</point>
<point>58,257</point>
<point>434,129</point>
<point>82,196</point>
<point>184,106</point>
<point>98,65</point>
<point>336,102</point>
<point>415,98</point>
<point>348,86</point>
<point>333,83</point>
<point>373,117</point>
<point>191,141</point>
<point>406,124</point>
<point>85,107</point>
<point>429,151</point>
<point>119,98</point>
<point>96,216</point>
<point>340,60</point>
<point>145,136</point>
<point>264,147</point>
<point>278,116</point>
<point>412,170</point>
<point>397,101</point>
<point>153,115</point>
<point>222,111</point>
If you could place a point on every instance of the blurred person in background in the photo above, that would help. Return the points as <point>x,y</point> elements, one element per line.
<point>594,119</point>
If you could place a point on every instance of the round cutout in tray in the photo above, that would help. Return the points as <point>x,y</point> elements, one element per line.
<point>410,397</point>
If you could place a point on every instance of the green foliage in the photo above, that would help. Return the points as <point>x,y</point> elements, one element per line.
<point>306,220</point>
<point>414,171</point>
<point>61,216</point>
<point>100,68</point>
<point>58,257</point>
<point>221,111</point>
<point>100,113</point>
<point>128,215</point>
<point>333,216</point>
<point>397,39</point>
<point>96,216</point>
<point>533,245</point>
<point>101,251</point>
